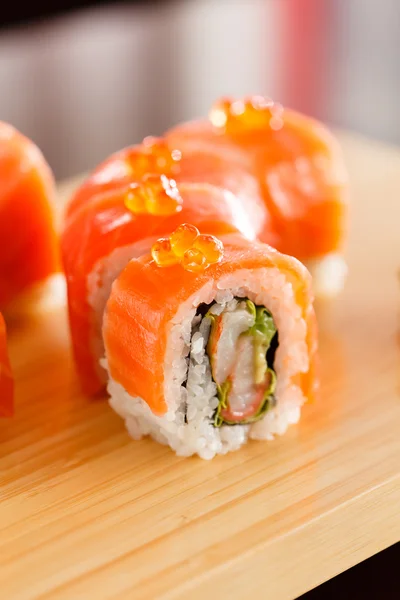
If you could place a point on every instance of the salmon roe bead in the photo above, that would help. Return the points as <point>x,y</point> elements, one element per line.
<point>135,201</point>
<point>219,113</point>
<point>155,196</point>
<point>194,260</point>
<point>141,165</point>
<point>162,195</point>
<point>155,156</point>
<point>162,254</point>
<point>210,246</point>
<point>186,246</point>
<point>183,237</point>
<point>250,113</point>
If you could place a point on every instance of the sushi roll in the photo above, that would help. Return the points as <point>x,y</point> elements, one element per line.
<point>156,157</point>
<point>29,252</point>
<point>300,172</point>
<point>210,342</point>
<point>6,379</point>
<point>110,222</point>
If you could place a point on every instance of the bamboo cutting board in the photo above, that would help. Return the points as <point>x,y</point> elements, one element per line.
<point>87,513</point>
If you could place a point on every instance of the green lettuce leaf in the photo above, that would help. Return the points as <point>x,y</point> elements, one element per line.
<point>264,325</point>
<point>223,391</point>
<point>262,332</point>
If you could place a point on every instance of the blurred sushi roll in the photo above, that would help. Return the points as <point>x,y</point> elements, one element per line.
<point>210,342</point>
<point>29,253</point>
<point>29,249</point>
<point>296,166</point>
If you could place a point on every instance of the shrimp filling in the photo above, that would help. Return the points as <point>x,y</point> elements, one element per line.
<point>241,344</point>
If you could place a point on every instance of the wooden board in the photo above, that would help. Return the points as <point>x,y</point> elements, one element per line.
<point>87,513</point>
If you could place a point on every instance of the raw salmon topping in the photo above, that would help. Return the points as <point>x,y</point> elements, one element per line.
<point>156,195</point>
<point>194,251</point>
<point>234,116</point>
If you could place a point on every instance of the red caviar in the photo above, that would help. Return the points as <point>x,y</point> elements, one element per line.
<point>155,156</point>
<point>135,200</point>
<point>233,116</point>
<point>194,260</point>
<point>183,238</point>
<point>194,251</point>
<point>155,195</point>
<point>162,253</point>
<point>210,246</point>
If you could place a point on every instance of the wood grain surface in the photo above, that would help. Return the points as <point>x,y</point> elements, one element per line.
<point>87,513</point>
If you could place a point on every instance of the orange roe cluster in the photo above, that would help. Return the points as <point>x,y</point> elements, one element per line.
<point>155,156</point>
<point>155,195</point>
<point>235,116</point>
<point>186,246</point>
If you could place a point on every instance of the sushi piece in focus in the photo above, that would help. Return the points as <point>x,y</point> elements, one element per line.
<point>6,379</point>
<point>300,171</point>
<point>210,342</point>
<point>29,247</point>
<point>110,222</point>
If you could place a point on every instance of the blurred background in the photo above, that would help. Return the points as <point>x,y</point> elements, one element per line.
<point>85,78</point>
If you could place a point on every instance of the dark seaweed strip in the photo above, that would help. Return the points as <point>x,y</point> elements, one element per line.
<point>203,309</point>
<point>272,350</point>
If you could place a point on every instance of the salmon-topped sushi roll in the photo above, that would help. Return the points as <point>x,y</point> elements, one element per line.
<point>300,171</point>
<point>29,247</point>
<point>109,223</point>
<point>155,157</point>
<point>6,379</point>
<point>210,341</point>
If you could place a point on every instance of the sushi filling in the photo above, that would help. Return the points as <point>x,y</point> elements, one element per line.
<point>241,341</point>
